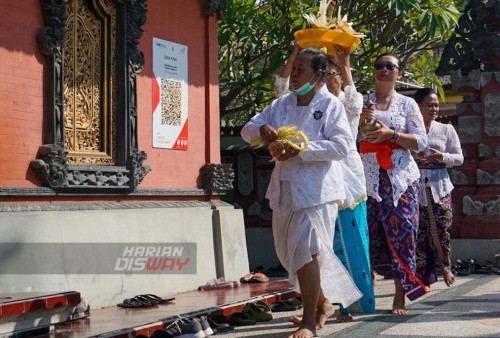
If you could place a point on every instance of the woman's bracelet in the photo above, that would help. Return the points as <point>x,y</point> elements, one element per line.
<point>395,137</point>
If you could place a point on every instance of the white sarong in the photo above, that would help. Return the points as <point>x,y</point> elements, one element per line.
<point>300,234</point>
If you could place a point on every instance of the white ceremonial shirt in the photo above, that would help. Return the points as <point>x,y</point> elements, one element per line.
<point>443,138</point>
<point>351,165</point>
<point>404,115</point>
<point>314,174</point>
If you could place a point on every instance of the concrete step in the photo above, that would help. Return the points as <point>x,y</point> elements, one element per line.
<point>22,314</point>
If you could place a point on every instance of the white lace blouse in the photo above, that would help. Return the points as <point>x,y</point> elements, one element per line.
<point>404,115</point>
<point>352,165</point>
<point>444,138</point>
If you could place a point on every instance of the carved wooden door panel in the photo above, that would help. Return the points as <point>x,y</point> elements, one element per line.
<point>92,61</point>
<point>89,82</point>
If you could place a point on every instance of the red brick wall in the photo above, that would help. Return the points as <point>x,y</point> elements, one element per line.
<point>21,90</point>
<point>21,93</point>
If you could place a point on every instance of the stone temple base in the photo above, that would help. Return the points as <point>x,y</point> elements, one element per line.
<point>61,247</point>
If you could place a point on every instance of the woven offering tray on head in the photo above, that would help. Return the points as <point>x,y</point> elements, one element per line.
<point>320,37</point>
<point>328,30</point>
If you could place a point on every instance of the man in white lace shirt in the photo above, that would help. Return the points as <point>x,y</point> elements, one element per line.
<point>305,188</point>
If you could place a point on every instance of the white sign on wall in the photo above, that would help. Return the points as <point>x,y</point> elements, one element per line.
<point>170,95</point>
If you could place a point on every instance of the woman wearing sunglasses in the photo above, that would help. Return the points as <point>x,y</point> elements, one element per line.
<point>392,181</point>
<point>351,227</point>
<point>436,215</point>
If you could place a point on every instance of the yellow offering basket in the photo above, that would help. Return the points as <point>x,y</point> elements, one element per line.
<point>321,37</point>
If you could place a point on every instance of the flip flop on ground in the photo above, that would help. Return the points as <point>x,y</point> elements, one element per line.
<point>284,305</point>
<point>143,301</point>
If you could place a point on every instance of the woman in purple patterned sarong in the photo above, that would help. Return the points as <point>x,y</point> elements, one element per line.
<point>436,216</point>
<point>392,181</point>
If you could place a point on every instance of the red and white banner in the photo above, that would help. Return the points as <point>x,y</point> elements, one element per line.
<point>170,95</point>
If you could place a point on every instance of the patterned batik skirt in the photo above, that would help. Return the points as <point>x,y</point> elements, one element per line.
<point>433,238</point>
<point>393,230</point>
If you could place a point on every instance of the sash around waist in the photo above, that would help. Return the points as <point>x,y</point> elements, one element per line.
<point>383,152</point>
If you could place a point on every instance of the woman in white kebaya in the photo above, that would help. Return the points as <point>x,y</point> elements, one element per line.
<point>305,188</point>
<point>351,227</point>
<point>436,215</point>
<point>392,181</point>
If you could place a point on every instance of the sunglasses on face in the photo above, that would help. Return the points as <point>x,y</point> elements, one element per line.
<point>389,66</point>
<point>333,73</point>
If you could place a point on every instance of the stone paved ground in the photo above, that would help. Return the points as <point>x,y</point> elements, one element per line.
<point>471,308</point>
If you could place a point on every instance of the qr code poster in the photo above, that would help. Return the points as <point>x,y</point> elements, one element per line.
<point>170,95</point>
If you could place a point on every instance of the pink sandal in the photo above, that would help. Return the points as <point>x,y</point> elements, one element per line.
<point>219,283</point>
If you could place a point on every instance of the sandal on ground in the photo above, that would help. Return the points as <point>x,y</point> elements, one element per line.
<point>297,300</point>
<point>246,278</point>
<point>258,277</point>
<point>219,283</point>
<point>284,305</point>
<point>143,301</point>
<point>264,305</point>
<point>156,299</point>
<point>478,268</point>
<point>240,319</point>
<point>258,312</point>
<point>219,327</point>
<point>462,268</point>
<point>135,302</point>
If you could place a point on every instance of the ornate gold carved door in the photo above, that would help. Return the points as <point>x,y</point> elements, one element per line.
<point>89,82</point>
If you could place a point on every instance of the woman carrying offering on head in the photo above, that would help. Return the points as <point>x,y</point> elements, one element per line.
<point>305,187</point>
<point>351,228</point>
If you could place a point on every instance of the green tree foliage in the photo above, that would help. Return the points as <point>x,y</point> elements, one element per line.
<point>255,39</point>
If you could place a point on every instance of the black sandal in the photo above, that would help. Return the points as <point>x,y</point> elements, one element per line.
<point>135,302</point>
<point>143,301</point>
<point>462,268</point>
<point>156,299</point>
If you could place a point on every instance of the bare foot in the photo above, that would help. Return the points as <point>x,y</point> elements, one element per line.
<point>449,279</point>
<point>343,317</point>
<point>398,305</point>
<point>295,319</point>
<point>323,312</point>
<point>374,278</point>
<point>303,332</point>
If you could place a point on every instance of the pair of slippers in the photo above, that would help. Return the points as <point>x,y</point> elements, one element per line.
<point>284,305</point>
<point>258,277</point>
<point>144,301</point>
<point>219,283</point>
<point>251,313</point>
<point>219,324</point>
<point>465,268</point>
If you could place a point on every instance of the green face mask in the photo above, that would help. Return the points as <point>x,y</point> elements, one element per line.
<point>304,89</point>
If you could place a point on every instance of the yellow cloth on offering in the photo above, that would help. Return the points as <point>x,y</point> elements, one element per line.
<point>288,134</point>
